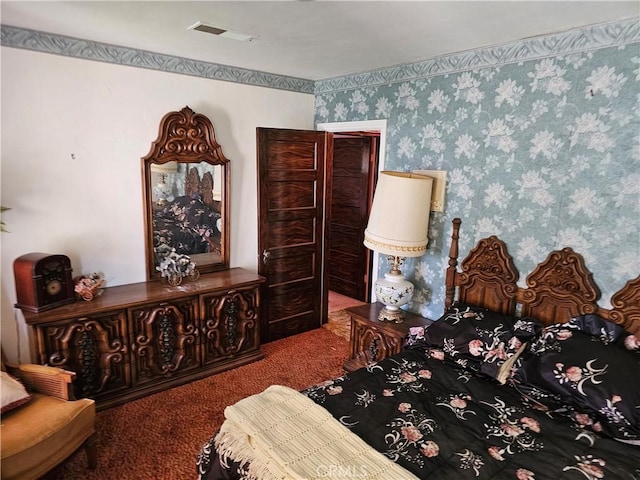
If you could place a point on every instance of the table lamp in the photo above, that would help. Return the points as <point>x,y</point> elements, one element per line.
<point>398,226</point>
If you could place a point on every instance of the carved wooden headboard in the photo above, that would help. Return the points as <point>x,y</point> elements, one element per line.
<point>204,187</point>
<point>559,288</point>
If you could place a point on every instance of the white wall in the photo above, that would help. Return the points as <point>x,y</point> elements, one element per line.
<point>73,133</point>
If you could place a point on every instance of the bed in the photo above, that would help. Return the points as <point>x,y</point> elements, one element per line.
<point>525,383</point>
<point>190,223</point>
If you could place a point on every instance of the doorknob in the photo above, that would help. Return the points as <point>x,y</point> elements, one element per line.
<point>265,256</point>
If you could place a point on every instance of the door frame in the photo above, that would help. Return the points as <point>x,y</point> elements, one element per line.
<point>379,126</point>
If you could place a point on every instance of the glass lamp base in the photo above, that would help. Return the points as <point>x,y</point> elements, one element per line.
<point>393,291</point>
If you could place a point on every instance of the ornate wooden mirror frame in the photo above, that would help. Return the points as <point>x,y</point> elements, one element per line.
<point>185,184</point>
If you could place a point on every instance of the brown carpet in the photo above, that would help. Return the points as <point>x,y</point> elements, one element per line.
<point>159,436</point>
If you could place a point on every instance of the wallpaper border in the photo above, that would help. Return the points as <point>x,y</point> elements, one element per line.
<point>571,41</point>
<point>103,52</point>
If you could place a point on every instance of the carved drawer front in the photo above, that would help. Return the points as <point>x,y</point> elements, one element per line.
<point>164,340</point>
<point>95,348</point>
<point>376,343</point>
<point>230,324</point>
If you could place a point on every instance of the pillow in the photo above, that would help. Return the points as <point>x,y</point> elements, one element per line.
<point>13,393</point>
<point>597,326</point>
<point>477,338</point>
<point>596,377</point>
<point>608,332</point>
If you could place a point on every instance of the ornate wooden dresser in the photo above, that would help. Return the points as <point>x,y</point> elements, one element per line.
<point>137,339</point>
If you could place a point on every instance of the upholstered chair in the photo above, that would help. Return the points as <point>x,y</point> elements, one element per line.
<point>43,426</point>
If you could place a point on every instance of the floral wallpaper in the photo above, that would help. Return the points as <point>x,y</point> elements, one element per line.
<point>543,153</point>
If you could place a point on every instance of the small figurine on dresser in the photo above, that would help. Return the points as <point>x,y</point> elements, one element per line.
<point>89,286</point>
<point>176,266</point>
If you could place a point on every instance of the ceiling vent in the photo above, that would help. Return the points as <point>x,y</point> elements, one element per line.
<point>220,32</point>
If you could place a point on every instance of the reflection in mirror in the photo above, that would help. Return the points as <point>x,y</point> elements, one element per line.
<point>186,194</point>
<point>186,211</point>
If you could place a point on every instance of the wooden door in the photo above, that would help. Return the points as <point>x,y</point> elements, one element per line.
<point>354,158</point>
<point>292,192</point>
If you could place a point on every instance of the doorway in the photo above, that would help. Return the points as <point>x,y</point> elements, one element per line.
<point>353,174</point>
<point>378,130</point>
<point>294,197</point>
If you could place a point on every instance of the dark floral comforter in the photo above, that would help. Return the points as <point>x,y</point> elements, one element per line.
<point>442,422</point>
<point>187,225</point>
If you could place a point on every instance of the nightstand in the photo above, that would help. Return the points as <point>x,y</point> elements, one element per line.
<point>373,340</point>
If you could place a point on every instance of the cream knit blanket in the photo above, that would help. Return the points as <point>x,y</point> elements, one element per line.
<point>282,434</point>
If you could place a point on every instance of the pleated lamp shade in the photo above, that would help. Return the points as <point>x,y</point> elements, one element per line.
<point>399,217</point>
<point>164,168</point>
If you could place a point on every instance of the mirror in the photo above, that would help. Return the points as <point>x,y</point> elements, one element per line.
<point>185,179</point>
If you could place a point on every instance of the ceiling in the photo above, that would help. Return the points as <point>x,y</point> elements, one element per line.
<point>314,40</point>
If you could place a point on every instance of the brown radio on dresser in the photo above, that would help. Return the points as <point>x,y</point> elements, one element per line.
<point>43,281</point>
